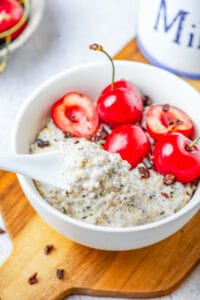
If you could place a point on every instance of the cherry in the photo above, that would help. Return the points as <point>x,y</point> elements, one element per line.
<point>130,141</point>
<point>13,20</point>
<point>162,119</point>
<point>178,155</point>
<point>120,102</point>
<point>11,13</point>
<point>75,114</point>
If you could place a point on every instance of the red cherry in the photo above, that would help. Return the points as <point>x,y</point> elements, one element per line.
<point>76,114</point>
<point>161,119</point>
<point>130,141</point>
<point>173,154</point>
<point>11,11</point>
<point>121,104</point>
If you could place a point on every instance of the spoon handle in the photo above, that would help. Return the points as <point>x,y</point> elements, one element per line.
<point>14,162</point>
<point>42,166</point>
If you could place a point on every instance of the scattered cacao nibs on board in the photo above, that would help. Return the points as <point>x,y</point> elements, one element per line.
<point>60,273</point>
<point>147,101</point>
<point>168,179</point>
<point>2,231</point>
<point>33,279</point>
<point>165,195</point>
<point>48,249</point>
<point>144,172</point>
<point>165,107</point>
<point>41,144</point>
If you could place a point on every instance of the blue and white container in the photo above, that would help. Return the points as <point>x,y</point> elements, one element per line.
<point>168,35</point>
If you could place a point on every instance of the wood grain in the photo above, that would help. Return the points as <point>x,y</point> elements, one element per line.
<point>152,271</point>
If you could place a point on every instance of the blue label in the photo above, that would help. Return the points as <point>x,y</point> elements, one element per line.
<point>177,22</point>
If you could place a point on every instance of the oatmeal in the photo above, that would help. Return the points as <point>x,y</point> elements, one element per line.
<point>100,187</point>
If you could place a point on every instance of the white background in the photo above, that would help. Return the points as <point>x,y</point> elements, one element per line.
<point>61,41</point>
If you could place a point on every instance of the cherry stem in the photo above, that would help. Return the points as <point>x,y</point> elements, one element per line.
<point>98,47</point>
<point>194,142</point>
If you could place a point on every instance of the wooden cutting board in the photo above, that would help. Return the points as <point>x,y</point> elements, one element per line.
<point>152,271</point>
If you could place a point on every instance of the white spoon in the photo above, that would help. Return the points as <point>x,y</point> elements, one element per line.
<point>45,167</point>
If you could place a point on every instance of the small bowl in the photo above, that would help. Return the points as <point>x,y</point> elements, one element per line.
<point>36,12</point>
<point>163,87</point>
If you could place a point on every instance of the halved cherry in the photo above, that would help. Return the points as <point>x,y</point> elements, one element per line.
<point>162,119</point>
<point>75,113</point>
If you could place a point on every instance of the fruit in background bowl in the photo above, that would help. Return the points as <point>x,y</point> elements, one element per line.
<point>13,18</point>
<point>22,30</point>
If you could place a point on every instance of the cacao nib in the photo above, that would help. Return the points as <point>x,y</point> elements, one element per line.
<point>33,279</point>
<point>40,143</point>
<point>147,101</point>
<point>144,172</point>
<point>165,195</point>
<point>168,179</point>
<point>48,249</point>
<point>67,134</point>
<point>165,107</point>
<point>101,135</point>
<point>179,122</point>
<point>60,273</point>
<point>148,163</point>
<point>94,138</point>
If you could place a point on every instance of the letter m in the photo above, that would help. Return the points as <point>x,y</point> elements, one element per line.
<point>167,25</point>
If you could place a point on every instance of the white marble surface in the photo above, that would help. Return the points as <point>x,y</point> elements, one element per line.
<point>61,42</point>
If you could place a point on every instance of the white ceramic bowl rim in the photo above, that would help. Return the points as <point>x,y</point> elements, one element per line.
<point>26,181</point>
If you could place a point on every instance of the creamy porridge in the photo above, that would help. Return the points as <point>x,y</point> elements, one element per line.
<point>100,187</point>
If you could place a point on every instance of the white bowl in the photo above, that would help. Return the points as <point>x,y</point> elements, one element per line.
<point>36,12</point>
<point>91,79</point>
